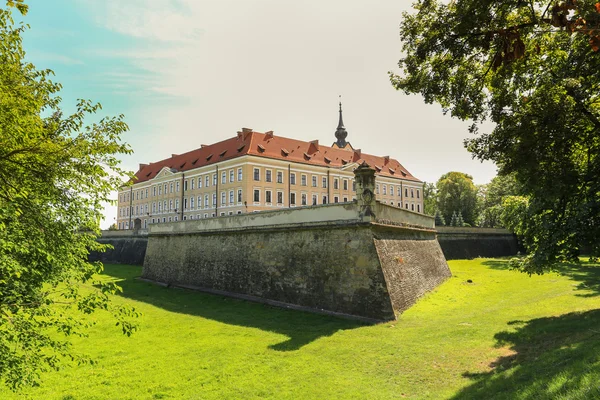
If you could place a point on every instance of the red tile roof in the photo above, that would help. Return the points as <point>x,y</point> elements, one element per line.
<point>268,145</point>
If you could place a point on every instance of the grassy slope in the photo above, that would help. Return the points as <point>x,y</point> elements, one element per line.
<point>506,335</point>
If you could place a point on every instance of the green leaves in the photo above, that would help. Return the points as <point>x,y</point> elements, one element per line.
<point>532,69</point>
<point>55,172</point>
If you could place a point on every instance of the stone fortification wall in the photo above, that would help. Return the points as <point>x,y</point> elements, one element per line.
<point>328,266</point>
<point>128,248</point>
<point>341,258</point>
<point>412,264</point>
<point>468,243</point>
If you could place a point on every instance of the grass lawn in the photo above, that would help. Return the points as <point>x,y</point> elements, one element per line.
<point>503,336</point>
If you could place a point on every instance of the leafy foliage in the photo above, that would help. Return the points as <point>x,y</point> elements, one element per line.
<point>55,173</point>
<point>533,69</point>
<point>439,218</point>
<point>491,197</point>
<point>456,192</point>
<point>429,199</point>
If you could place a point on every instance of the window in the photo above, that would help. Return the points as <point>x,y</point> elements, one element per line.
<point>406,193</point>
<point>292,178</point>
<point>185,185</point>
<point>153,190</point>
<point>214,179</point>
<point>230,213</point>
<point>184,218</point>
<point>136,210</point>
<point>377,189</point>
<point>170,219</point>
<point>412,193</point>
<point>239,174</point>
<point>279,177</point>
<point>222,214</point>
<point>279,197</point>
<point>239,197</point>
<point>159,206</point>
<point>268,175</point>
<point>154,207</point>
<point>223,198</point>
<point>214,199</point>
<point>146,193</point>
<point>384,189</point>
<point>256,195</point>
<point>231,176</point>
<point>336,183</point>
<point>418,194</point>
<point>256,174</point>
<point>293,199</point>
<point>399,191</point>
<point>345,184</point>
<point>324,199</point>
<point>418,208</point>
<point>192,202</point>
<point>303,199</point>
<point>207,181</point>
<point>406,206</point>
<point>206,215</point>
<point>314,181</point>
<point>324,182</point>
<point>345,199</point>
<point>314,199</point>
<point>205,201</point>
<point>137,195</point>
<point>159,190</point>
<point>267,196</point>
<point>192,181</point>
<point>199,202</point>
<point>223,177</point>
<point>231,198</point>
<point>354,186</point>
<point>199,182</point>
<point>239,212</point>
<point>391,190</point>
<point>336,199</point>
<point>177,204</point>
<point>171,187</point>
<point>176,219</point>
<point>146,208</point>
<point>165,206</point>
<point>412,206</point>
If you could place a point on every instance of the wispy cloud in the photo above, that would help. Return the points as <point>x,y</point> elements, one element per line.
<point>39,56</point>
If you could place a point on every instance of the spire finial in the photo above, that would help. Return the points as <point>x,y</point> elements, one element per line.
<point>340,132</point>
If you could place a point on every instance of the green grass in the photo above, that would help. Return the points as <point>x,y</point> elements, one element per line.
<point>503,336</point>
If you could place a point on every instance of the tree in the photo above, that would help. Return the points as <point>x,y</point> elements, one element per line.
<point>429,199</point>
<point>55,173</point>
<point>532,68</point>
<point>439,218</point>
<point>459,219</point>
<point>491,197</point>
<point>456,192</point>
<point>454,219</point>
<point>113,227</point>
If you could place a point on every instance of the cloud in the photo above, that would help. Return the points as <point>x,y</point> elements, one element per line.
<point>54,58</point>
<point>163,21</point>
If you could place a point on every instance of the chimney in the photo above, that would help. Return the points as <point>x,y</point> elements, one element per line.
<point>142,166</point>
<point>269,135</point>
<point>357,155</point>
<point>386,160</point>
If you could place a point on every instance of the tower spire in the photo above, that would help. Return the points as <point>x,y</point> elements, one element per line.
<point>340,132</point>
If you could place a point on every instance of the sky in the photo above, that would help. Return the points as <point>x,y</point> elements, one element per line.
<point>192,72</point>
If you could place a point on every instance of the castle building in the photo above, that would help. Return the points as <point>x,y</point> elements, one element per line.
<point>254,172</point>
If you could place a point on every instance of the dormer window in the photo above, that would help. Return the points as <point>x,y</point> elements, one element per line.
<point>261,148</point>
<point>222,153</point>
<point>209,157</point>
<point>284,152</point>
